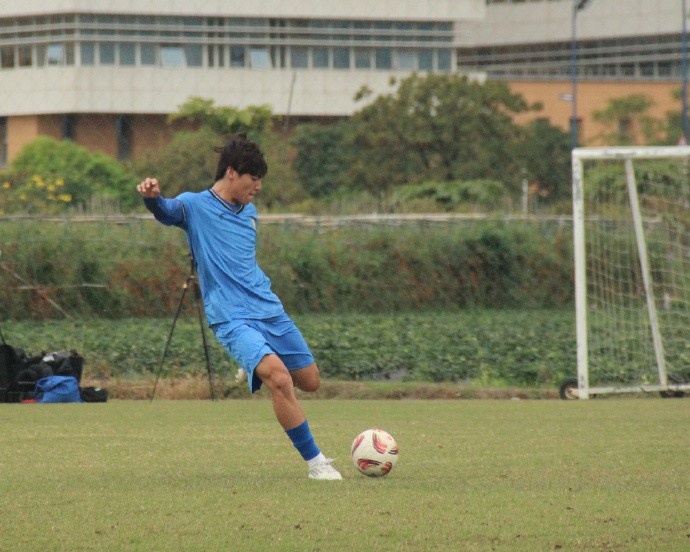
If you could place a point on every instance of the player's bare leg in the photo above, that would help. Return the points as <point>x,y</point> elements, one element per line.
<point>277,379</point>
<point>307,379</point>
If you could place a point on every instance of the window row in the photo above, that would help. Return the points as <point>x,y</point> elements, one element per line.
<point>253,57</point>
<point>653,57</point>
<point>647,70</point>
<point>134,28</point>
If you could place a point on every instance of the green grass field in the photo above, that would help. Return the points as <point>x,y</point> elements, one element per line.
<point>607,474</point>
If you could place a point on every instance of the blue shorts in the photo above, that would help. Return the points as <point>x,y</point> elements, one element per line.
<point>248,341</point>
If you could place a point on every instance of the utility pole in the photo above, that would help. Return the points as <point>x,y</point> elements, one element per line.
<point>578,5</point>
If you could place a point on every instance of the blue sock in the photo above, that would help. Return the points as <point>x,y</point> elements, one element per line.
<point>303,440</point>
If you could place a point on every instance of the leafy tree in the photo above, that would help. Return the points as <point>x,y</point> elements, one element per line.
<point>673,122</point>
<point>664,179</point>
<point>189,161</point>
<point>320,161</point>
<point>626,120</point>
<point>225,120</point>
<point>436,127</point>
<point>544,156</point>
<point>50,175</point>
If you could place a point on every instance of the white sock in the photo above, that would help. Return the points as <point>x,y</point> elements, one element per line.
<point>318,459</point>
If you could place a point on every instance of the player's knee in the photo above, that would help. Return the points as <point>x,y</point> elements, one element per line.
<point>279,381</point>
<point>310,385</point>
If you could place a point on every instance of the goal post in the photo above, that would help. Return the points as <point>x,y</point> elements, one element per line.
<point>631,226</point>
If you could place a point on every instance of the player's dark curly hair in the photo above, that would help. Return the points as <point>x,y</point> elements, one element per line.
<point>243,155</point>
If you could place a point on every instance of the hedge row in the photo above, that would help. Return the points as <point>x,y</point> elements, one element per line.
<point>137,269</point>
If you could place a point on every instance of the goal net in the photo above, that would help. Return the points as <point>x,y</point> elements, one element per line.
<point>631,209</point>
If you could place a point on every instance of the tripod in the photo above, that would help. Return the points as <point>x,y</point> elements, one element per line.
<point>194,282</point>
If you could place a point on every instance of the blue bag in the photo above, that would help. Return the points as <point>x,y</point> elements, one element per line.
<point>57,389</point>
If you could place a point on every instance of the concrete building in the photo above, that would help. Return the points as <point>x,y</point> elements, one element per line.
<point>105,73</point>
<point>622,48</point>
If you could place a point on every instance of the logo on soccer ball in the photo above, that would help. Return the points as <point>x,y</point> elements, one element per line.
<point>374,452</point>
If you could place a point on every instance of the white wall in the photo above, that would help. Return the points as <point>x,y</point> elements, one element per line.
<point>546,21</point>
<point>315,9</point>
<point>162,90</point>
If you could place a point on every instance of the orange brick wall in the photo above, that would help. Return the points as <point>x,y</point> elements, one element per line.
<point>591,97</point>
<point>95,132</point>
<point>20,130</point>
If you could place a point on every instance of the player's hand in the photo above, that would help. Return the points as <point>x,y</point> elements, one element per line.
<point>149,188</point>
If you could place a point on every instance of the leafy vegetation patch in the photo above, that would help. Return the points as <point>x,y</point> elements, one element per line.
<point>483,347</point>
<point>137,269</point>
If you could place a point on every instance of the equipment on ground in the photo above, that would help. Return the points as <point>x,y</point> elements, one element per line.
<point>192,281</point>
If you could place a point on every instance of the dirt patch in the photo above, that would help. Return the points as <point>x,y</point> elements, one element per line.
<point>199,389</point>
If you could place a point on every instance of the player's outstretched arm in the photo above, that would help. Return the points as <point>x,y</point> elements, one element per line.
<point>167,211</point>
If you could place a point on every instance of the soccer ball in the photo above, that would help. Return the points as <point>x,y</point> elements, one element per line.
<point>374,452</point>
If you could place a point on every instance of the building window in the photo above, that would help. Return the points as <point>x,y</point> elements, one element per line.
<point>319,58</point>
<point>384,58</point>
<point>69,53</point>
<point>259,58</point>
<point>148,54</point>
<point>341,58</point>
<point>299,57</point>
<point>406,60</point>
<point>7,57</point>
<point>172,56</point>
<point>444,60</point>
<point>362,58</point>
<point>237,56</point>
<point>127,54</point>
<point>123,131</point>
<point>647,69</point>
<point>425,58</point>
<point>193,55</point>
<point>259,43</point>
<point>69,127</point>
<point>88,53</point>
<point>25,56</point>
<point>106,53</point>
<point>55,54</point>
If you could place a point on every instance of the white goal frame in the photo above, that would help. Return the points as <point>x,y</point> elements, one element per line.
<point>627,155</point>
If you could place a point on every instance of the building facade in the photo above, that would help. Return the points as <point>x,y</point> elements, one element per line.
<point>621,48</point>
<point>107,73</point>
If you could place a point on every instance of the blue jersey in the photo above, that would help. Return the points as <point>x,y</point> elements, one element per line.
<point>223,244</point>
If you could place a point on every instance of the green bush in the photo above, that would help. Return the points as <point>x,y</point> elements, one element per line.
<point>50,176</point>
<point>137,269</point>
<point>483,195</point>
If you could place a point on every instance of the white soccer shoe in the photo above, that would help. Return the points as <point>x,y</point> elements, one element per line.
<point>324,471</point>
<point>241,375</point>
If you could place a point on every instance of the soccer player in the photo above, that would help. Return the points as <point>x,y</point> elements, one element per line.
<point>247,318</point>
